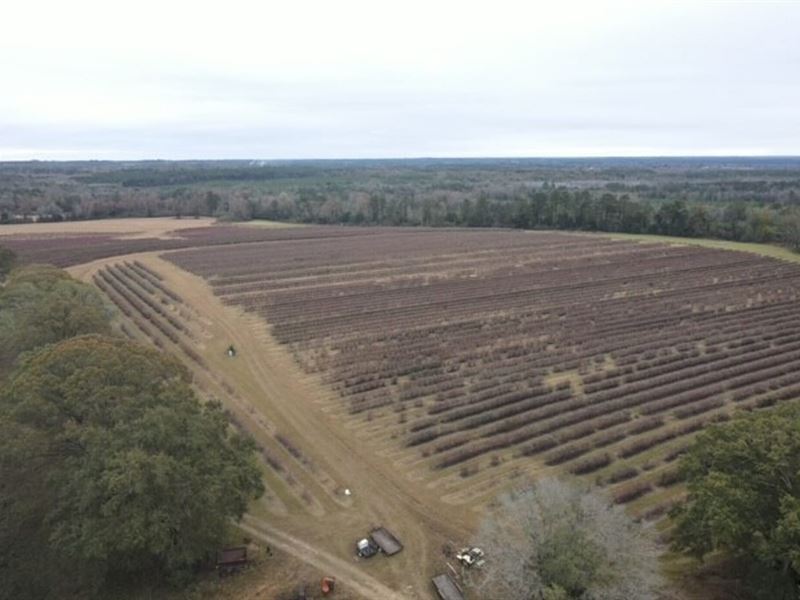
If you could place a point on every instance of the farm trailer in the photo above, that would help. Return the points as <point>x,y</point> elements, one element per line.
<point>447,588</point>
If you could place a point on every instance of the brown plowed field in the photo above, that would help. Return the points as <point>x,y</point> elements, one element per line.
<point>427,370</point>
<point>469,357</point>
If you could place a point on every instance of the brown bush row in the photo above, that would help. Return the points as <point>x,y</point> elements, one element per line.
<point>290,447</point>
<point>606,438</point>
<point>106,289</point>
<point>504,415</point>
<point>620,474</point>
<point>617,404</point>
<point>688,397</point>
<point>590,464</point>
<point>145,269</point>
<point>676,452</point>
<point>698,407</point>
<point>131,273</point>
<point>642,444</point>
<point>453,411</point>
<point>565,453</point>
<point>669,478</point>
<point>190,352</point>
<point>273,461</point>
<point>362,404</point>
<point>126,283</point>
<point>644,424</point>
<point>576,411</point>
<point>660,509</point>
<point>416,391</point>
<point>138,307</point>
<point>631,491</point>
<point>694,377</point>
<point>125,309</point>
<point>363,387</point>
<point>586,428</point>
<point>539,445</point>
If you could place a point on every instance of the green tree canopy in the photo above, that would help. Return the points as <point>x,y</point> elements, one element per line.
<point>41,304</point>
<point>744,496</point>
<point>108,459</point>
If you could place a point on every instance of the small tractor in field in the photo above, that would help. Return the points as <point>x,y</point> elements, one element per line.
<point>471,557</point>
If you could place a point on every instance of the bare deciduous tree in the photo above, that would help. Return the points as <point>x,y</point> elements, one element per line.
<point>555,540</point>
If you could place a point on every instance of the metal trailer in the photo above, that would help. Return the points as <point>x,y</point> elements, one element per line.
<point>386,541</point>
<point>447,588</point>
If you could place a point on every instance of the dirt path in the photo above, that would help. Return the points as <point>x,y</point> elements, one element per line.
<point>355,579</point>
<point>267,376</point>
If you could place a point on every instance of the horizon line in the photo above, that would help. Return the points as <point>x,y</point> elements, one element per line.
<point>412,158</point>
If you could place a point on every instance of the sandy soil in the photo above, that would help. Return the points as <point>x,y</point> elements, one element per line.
<point>157,227</point>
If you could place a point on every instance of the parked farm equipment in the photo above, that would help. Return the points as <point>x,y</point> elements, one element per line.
<point>447,588</point>
<point>379,539</point>
<point>471,557</point>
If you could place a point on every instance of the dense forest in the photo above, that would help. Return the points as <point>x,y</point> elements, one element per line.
<point>108,458</point>
<point>742,199</point>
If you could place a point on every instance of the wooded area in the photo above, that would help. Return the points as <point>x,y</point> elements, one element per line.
<point>108,461</point>
<point>741,199</point>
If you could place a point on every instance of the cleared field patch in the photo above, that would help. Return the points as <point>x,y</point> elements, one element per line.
<point>469,357</point>
<point>156,227</point>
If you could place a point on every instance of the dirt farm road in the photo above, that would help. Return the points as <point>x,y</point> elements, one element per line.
<point>357,581</point>
<point>268,378</point>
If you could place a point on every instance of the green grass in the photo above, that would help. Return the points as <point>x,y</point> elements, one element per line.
<point>769,250</point>
<point>268,224</point>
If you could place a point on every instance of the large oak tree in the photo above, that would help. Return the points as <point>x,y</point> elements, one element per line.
<point>744,497</point>
<point>111,468</point>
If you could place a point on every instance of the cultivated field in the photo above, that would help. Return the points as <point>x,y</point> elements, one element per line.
<point>470,357</point>
<point>83,242</point>
<point>425,370</point>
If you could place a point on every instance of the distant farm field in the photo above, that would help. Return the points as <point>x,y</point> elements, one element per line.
<point>471,357</point>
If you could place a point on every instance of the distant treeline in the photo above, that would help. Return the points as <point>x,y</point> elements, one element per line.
<point>558,208</point>
<point>755,200</point>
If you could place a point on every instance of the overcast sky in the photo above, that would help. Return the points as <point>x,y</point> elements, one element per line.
<point>339,78</point>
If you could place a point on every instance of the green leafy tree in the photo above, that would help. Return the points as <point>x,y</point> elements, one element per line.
<point>559,541</point>
<point>672,218</point>
<point>790,229</point>
<point>743,479</point>
<point>114,467</point>
<point>42,304</point>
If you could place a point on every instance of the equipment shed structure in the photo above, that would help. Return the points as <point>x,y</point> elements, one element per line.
<point>447,588</point>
